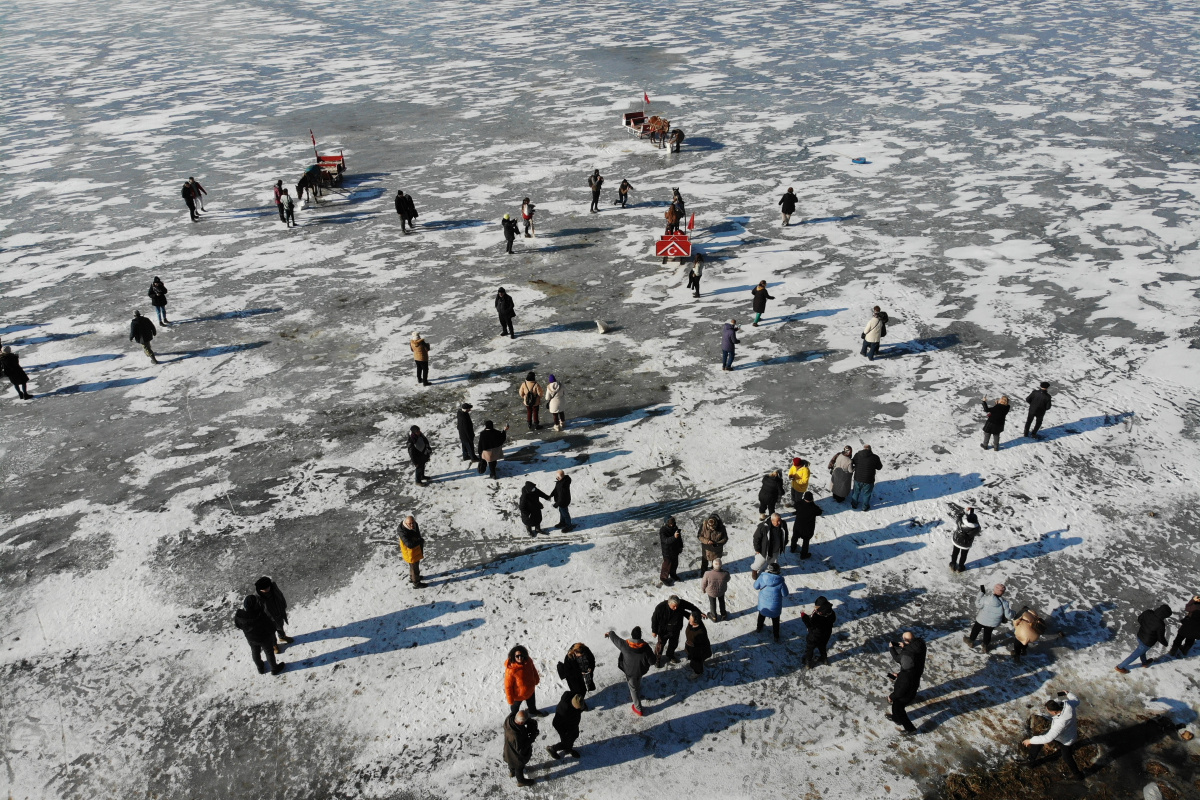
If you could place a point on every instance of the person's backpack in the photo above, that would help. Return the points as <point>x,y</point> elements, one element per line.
<point>883,319</point>
<point>531,396</point>
<point>186,192</point>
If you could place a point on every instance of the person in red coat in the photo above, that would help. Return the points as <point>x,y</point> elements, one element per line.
<point>520,681</point>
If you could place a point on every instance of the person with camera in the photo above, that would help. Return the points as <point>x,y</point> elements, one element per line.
<point>527,211</point>
<point>994,611</point>
<point>1064,729</point>
<point>909,653</point>
<point>966,528</point>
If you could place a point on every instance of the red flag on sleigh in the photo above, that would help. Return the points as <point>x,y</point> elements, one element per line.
<point>692,222</point>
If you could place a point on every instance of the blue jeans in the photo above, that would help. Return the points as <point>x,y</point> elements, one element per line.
<point>564,518</point>
<point>727,359</point>
<point>869,349</point>
<point>1140,652</point>
<point>861,495</point>
<point>162,314</point>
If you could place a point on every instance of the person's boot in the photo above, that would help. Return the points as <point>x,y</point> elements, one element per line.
<point>969,642</point>
<point>280,666</point>
<point>574,753</point>
<point>276,649</point>
<point>288,639</point>
<point>753,575</point>
<point>794,549</point>
<point>550,748</point>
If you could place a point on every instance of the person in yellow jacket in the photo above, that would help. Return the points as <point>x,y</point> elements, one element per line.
<point>798,475</point>
<point>412,548</point>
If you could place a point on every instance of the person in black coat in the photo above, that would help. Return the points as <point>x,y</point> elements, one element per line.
<point>158,298</point>
<point>820,628</point>
<point>994,425</point>
<point>519,732</point>
<point>804,527</point>
<point>787,204</point>
<point>419,452</point>
<point>1039,403</point>
<point>1189,629</point>
<point>510,232</point>
<point>667,623</point>
<point>623,192</point>
<point>577,669</point>
<point>491,447</point>
<point>696,645</point>
<point>595,181</point>
<point>770,537</point>
<point>407,210</point>
<point>761,296</point>
<point>507,312</point>
<point>966,528</point>
<point>10,365</point>
<point>275,604</point>
<point>865,464</point>
<point>466,433</point>
<point>560,497</point>
<point>1152,630</point>
<point>770,493</point>
<point>531,507</point>
<point>567,714</point>
<point>189,199</point>
<point>635,660</point>
<point>252,620</point>
<point>670,541</point>
<point>909,653</point>
<point>142,331</point>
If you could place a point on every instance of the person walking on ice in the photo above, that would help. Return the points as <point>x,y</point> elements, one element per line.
<point>519,734</point>
<point>289,209</point>
<point>491,447</point>
<point>787,204</point>
<point>412,549</point>
<point>554,403</point>
<point>506,310</point>
<point>407,210</point>
<point>909,653</point>
<point>729,343</point>
<point>158,298</point>
<point>510,232</point>
<point>420,351</point>
<point>466,432</point>
<point>142,331</point>
<point>275,604</point>
<point>419,452</point>
<point>994,426</point>
<point>1064,729</point>
<point>623,193</point>
<point>994,611</point>
<point>1152,630</point>
<point>595,181</point>
<point>1039,403</point>
<point>567,715</point>
<point>875,329</point>
<point>10,365</point>
<point>714,584</point>
<point>761,296</point>
<point>531,393</point>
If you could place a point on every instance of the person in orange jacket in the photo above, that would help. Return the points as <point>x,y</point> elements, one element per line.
<point>520,681</point>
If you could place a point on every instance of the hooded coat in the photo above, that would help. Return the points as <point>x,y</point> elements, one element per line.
<point>252,620</point>
<point>505,306</point>
<point>712,538</point>
<point>966,531</point>
<point>995,416</point>
<point>531,504</point>
<point>510,229</point>
<point>771,491</point>
<point>729,338</point>
<point>1152,625</point>
<point>805,524</point>
<point>419,450</point>
<point>157,294</point>
<point>273,602</point>
<point>566,717</point>
<point>670,545</point>
<point>820,624</point>
<point>760,299</point>
<point>520,680</point>
<point>518,741</point>
<point>554,397</point>
<point>771,591</point>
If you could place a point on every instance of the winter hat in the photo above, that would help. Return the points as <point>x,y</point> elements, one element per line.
<point>262,584</point>
<point>467,406</point>
<point>7,349</point>
<point>670,520</point>
<point>529,376</point>
<point>550,378</point>
<point>250,603</point>
<point>808,497</point>
<point>1045,384</point>
<point>773,569</point>
<point>506,216</point>
<point>487,423</point>
<point>636,633</point>
<point>821,601</point>
<point>795,462</point>
<point>415,335</point>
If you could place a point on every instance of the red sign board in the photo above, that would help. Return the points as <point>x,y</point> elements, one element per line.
<point>673,246</point>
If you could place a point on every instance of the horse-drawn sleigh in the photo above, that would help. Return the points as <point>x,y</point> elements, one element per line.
<point>656,128</point>
<point>324,175</point>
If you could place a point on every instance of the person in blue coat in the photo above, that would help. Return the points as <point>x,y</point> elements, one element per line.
<point>729,342</point>
<point>771,591</point>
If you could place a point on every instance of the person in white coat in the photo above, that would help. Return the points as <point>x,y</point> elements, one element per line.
<point>994,610</point>
<point>554,403</point>
<point>1064,729</point>
<point>872,333</point>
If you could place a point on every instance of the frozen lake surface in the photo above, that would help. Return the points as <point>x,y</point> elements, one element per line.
<point>1028,211</point>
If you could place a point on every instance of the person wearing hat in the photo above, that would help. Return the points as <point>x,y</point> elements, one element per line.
<point>1189,629</point>
<point>635,661</point>
<point>253,621</point>
<point>407,209</point>
<point>158,298</point>
<point>771,590</point>
<point>804,526</point>
<point>966,528</point>
<point>10,365</point>
<point>275,604</point>
<point>531,395</point>
<point>491,447</point>
<point>799,475</point>
<point>567,715</point>
<point>506,310</point>
<point>420,350</point>
<point>820,628</point>
<point>713,584</point>
<point>1039,403</point>
<point>142,331</point>
<point>595,181</point>
<point>510,232</point>
<point>466,432</point>
<point>770,493</point>
<point>841,469</point>
<point>729,343</point>
<point>670,542</point>
<point>419,452</point>
<point>412,549</point>
<point>713,538</point>
<point>554,403</point>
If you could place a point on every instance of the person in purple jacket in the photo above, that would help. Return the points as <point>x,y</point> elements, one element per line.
<point>729,342</point>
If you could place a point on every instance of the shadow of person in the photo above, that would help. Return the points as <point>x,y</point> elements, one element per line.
<point>388,632</point>
<point>1050,542</point>
<point>542,555</point>
<point>1085,425</point>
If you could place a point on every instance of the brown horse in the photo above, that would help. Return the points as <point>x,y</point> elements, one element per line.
<point>673,218</point>
<point>658,128</point>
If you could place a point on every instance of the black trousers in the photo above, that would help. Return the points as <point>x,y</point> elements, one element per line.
<point>406,221</point>
<point>531,704</point>
<point>290,215</point>
<point>282,215</point>
<point>487,466</point>
<point>774,625</point>
<point>712,605</point>
<point>1019,649</point>
<point>1068,755</point>
<point>900,716</point>
<point>506,326</point>
<point>622,198</point>
<point>1033,423</point>
<point>191,204</point>
<point>419,466</point>
<point>1182,644</point>
<point>958,557</point>
<point>668,640</point>
<point>670,569</point>
<point>468,449</point>
<point>508,243</point>
<point>595,200</point>
<point>804,540</point>
<point>987,634</point>
<point>258,650</point>
<point>564,746</point>
<point>422,371</point>
<point>813,649</point>
<point>767,508</point>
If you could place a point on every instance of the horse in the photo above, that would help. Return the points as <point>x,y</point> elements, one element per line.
<point>313,179</point>
<point>673,218</point>
<point>658,128</point>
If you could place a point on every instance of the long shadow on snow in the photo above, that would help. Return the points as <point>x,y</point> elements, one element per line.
<point>1051,542</point>
<point>856,550</point>
<point>5,331</point>
<point>746,287</point>
<point>794,358</point>
<point>990,689</point>
<point>922,487</point>
<point>581,325</point>
<point>224,315</point>
<point>541,555</point>
<point>930,345</point>
<point>526,461</point>
<point>341,219</point>
<point>82,388</point>
<point>663,740</point>
<point>799,316</point>
<point>389,632</point>
<point>211,352</point>
<point>74,362</point>
<point>1085,425</point>
<point>1117,744</point>
<point>571,232</point>
<point>486,373</point>
<point>557,248</point>
<point>452,224</point>
<point>49,337</point>
<point>702,144</point>
<point>818,220</point>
